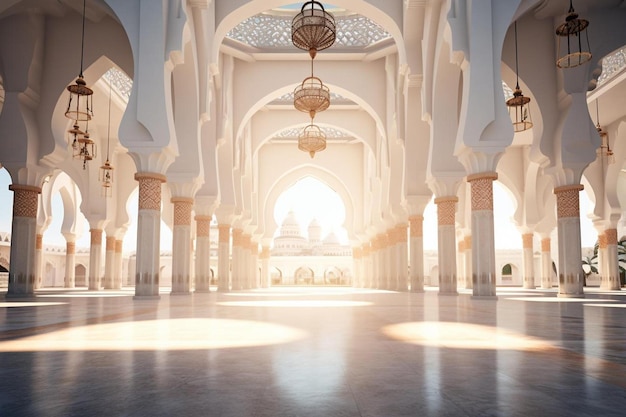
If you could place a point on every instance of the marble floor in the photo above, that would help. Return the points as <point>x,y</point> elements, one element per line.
<point>313,352</point>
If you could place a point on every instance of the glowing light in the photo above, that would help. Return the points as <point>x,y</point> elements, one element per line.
<point>560,300</point>
<point>463,336</point>
<point>28,304</point>
<point>172,334</point>
<point>294,303</point>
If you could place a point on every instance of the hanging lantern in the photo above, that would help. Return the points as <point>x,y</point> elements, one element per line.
<point>106,178</point>
<point>312,96</point>
<point>313,29</point>
<point>573,41</point>
<point>312,140</point>
<point>518,105</point>
<point>605,146</point>
<point>85,150</point>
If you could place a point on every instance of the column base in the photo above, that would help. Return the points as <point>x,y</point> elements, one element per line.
<point>202,291</point>
<point>484,297</point>
<point>446,294</point>
<point>146,297</point>
<point>18,296</point>
<point>180,293</point>
<point>581,295</point>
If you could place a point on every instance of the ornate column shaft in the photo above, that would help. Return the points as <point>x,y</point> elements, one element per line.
<point>367,265</point>
<point>416,256</point>
<point>95,259</point>
<point>483,249</point>
<point>223,258</point>
<point>38,261</point>
<point>203,253</point>
<point>265,267</point>
<point>356,266</point>
<point>468,262</point>
<point>602,260</point>
<point>529,269</point>
<point>546,264</point>
<point>181,246</point>
<point>571,275</point>
<point>446,208</point>
<point>109,263</point>
<point>612,272</point>
<point>403,257</point>
<point>118,279</point>
<point>237,259</point>
<point>23,240</point>
<point>148,234</point>
<point>392,257</point>
<point>461,273</point>
<point>254,265</point>
<point>70,264</point>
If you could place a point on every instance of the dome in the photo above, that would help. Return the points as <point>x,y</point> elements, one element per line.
<point>331,239</point>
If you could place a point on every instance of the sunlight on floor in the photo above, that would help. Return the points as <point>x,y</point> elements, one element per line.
<point>172,334</point>
<point>294,303</point>
<point>463,336</point>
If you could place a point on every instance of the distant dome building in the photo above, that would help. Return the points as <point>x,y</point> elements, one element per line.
<point>290,241</point>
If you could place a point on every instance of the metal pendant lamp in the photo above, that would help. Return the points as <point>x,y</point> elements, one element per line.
<point>313,29</point>
<point>573,40</point>
<point>518,105</point>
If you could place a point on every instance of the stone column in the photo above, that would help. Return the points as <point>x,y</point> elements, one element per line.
<point>203,253</point>
<point>38,261</point>
<point>246,279</point>
<point>483,249</point>
<point>461,273</point>
<point>571,275</point>
<point>403,260</point>
<point>446,208</point>
<point>148,235</point>
<point>118,279</point>
<point>546,264</point>
<point>611,276</point>
<point>70,264</point>
<point>468,262</point>
<point>236,259</point>
<point>109,263</point>
<point>265,267</point>
<point>601,261</point>
<point>529,269</point>
<point>375,262</point>
<point>356,267</point>
<point>223,258</point>
<point>392,259</point>
<point>254,265</point>
<point>367,265</point>
<point>95,259</point>
<point>181,246</point>
<point>383,242</point>
<point>416,246</point>
<point>23,241</point>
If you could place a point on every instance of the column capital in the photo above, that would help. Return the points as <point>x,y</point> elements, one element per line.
<point>567,200</point>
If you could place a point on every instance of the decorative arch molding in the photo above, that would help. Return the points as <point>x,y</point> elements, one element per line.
<point>389,19</point>
<point>290,178</point>
<point>272,95</point>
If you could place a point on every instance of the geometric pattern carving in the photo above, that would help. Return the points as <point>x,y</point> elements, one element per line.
<point>39,242</point>
<point>274,31</point>
<point>182,211</point>
<point>223,233</point>
<point>446,209</point>
<point>468,242</point>
<point>461,246</point>
<point>401,233</point>
<point>416,225</point>
<point>96,237</point>
<point>527,240</point>
<point>118,246</point>
<point>357,253</point>
<point>70,248</point>
<point>110,244</point>
<point>612,65</point>
<point>25,200</point>
<point>482,190</point>
<point>545,245</point>
<point>203,226</point>
<point>602,240</point>
<point>611,236</point>
<point>237,237</point>
<point>265,252</point>
<point>149,190</point>
<point>567,204</point>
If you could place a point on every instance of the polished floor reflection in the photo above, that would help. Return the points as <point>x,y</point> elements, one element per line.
<point>313,352</point>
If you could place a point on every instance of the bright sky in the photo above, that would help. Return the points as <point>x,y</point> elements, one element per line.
<point>308,198</point>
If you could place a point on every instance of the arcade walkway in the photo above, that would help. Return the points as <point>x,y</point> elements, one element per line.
<point>327,352</point>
